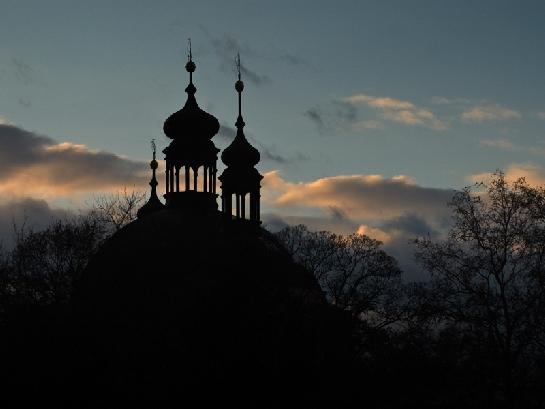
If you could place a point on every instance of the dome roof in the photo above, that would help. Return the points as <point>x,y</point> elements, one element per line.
<point>190,302</point>
<point>191,122</point>
<point>240,153</point>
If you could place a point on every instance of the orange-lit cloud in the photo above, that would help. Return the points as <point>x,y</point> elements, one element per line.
<point>399,111</point>
<point>360,196</point>
<point>36,166</point>
<point>374,233</point>
<point>533,174</point>
<point>482,113</point>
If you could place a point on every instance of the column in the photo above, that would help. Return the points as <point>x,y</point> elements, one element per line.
<point>195,174</point>
<point>177,178</point>
<point>171,178</point>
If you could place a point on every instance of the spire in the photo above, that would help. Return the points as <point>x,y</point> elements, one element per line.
<point>240,153</point>
<point>191,157</point>
<point>240,178</point>
<point>239,86</point>
<point>190,68</point>
<point>153,204</point>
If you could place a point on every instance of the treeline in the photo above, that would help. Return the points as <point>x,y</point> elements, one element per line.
<point>473,336</point>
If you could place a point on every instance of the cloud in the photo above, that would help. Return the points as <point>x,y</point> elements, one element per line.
<point>393,210</point>
<point>24,102</point>
<point>38,166</point>
<point>482,113</point>
<point>367,124</point>
<point>339,115</point>
<point>226,48</point>
<point>399,111</point>
<point>370,197</point>
<point>541,115</point>
<point>316,116</point>
<point>227,132</point>
<point>500,143</point>
<point>28,213</point>
<point>438,100</point>
<point>374,233</point>
<point>23,72</point>
<point>507,145</point>
<point>380,102</point>
<point>532,173</point>
<point>267,153</point>
<point>409,223</point>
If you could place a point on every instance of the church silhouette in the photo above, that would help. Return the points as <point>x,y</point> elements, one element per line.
<point>196,306</point>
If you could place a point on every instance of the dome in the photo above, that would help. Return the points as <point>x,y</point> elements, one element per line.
<point>187,308</point>
<point>240,153</point>
<point>191,122</point>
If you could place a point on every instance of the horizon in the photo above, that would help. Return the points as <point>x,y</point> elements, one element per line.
<point>366,116</point>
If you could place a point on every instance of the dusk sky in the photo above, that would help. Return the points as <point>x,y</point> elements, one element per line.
<point>367,113</point>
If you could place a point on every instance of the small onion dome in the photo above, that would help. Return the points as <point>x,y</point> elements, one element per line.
<point>153,204</point>
<point>240,153</point>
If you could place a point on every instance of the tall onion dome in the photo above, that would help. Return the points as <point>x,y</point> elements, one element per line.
<point>241,179</point>
<point>191,150</point>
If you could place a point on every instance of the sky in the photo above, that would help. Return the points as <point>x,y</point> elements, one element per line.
<point>367,113</point>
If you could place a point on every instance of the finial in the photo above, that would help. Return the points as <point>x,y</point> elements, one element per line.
<point>239,86</point>
<point>153,164</point>
<point>190,66</point>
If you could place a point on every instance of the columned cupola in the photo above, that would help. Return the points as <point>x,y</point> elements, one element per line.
<point>191,157</point>
<point>240,180</point>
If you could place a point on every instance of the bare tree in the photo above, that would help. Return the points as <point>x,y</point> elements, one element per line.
<point>44,265</point>
<point>489,272</point>
<point>117,210</point>
<point>354,272</point>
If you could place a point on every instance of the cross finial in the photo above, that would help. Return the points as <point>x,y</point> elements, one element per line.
<point>238,65</point>
<point>153,148</point>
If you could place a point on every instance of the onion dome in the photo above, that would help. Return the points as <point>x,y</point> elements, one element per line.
<point>191,121</point>
<point>240,154</point>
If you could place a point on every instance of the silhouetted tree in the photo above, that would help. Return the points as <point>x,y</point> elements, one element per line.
<point>117,210</point>
<point>44,265</point>
<point>353,271</point>
<point>488,277</point>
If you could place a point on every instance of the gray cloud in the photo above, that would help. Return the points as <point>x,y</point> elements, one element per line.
<point>27,213</point>
<point>226,48</point>
<point>337,114</point>
<point>23,72</point>
<point>399,245</point>
<point>409,223</point>
<point>316,116</point>
<point>24,102</point>
<point>30,162</point>
<point>267,153</point>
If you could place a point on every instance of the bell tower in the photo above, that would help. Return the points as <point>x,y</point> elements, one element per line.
<point>241,179</point>
<point>191,157</point>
